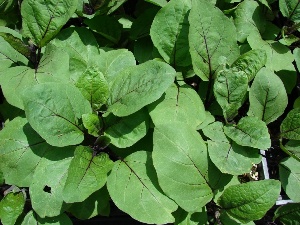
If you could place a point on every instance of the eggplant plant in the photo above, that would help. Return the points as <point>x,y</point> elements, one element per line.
<point>158,107</point>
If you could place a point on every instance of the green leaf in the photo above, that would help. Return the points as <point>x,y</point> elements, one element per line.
<point>230,89</point>
<point>96,204</point>
<point>293,149</point>
<point>182,151</point>
<point>250,201</point>
<point>290,126</point>
<point>170,37</point>
<point>53,67</point>
<point>11,207</point>
<point>87,173</point>
<point>126,131</point>
<point>2,180</point>
<point>251,62</point>
<point>215,132</point>
<point>81,46</point>
<point>143,49</point>
<point>54,110</point>
<point>267,96</point>
<point>290,9</point>
<point>33,218</point>
<point>178,104</point>
<point>21,151</point>
<point>212,35</point>
<point>46,189</point>
<point>138,86</point>
<point>250,131</point>
<point>161,3</point>
<point>184,218</point>
<point>133,187</point>
<point>93,87</point>
<point>42,20</point>
<point>289,172</point>
<point>106,26</point>
<point>227,220</point>
<point>92,123</point>
<point>288,214</point>
<point>296,53</point>
<point>111,63</point>
<point>249,18</point>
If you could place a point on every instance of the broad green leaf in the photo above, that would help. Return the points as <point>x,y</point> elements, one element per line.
<point>21,151</point>
<point>169,32</point>
<point>133,187</point>
<point>293,149</point>
<point>184,218</point>
<point>279,57</point>
<point>290,9</point>
<point>106,26</point>
<point>46,189</point>
<point>81,46</point>
<point>232,158</point>
<point>42,20</point>
<point>161,3</point>
<point>182,151</point>
<point>230,89</point>
<point>87,173</point>
<point>93,87</point>
<point>250,131</point>
<point>211,35</point>
<point>138,86</point>
<point>96,204</point>
<point>289,172</point>
<point>143,49</point>
<point>249,18</point>
<point>288,214</point>
<point>251,62</point>
<point>54,110</point>
<point>126,131</point>
<point>111,63</point>
<point>209,118</point>
<point>178,104</point>
<point>2,180</point>
<point>227,220</point>
<point>267,96</point>
<point>33,218</point>
<point>11,207</point>
<point>215,132</point>
<point>92,123</point>
<point>6,5</point>
<point>53,67</point>
<point>296,53</point>
<point>250,201</point>
<point>290,126</point>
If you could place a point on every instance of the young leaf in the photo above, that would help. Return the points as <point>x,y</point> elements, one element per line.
<point>215,132</point>
<point>54,110</point>
<point>21,151</point>
<point>212,35</point>
<point>46,189</point>
<point>11,207</point>
<point>53,67</point>
<point>232,158</point>
<point>251,62</point>
<point>290,126</point>
<point>289,172</point>
<point>33,218</point>
<point>230,89</point>
<point>267,96</point>
<point>180,160</point>
<point>93,87</point>
<point>126,131</point>
<point>250,201</point>
<point>96,204</point>
<point>290,9</point>
<point>178,104</point>
<point>288,214</point>
<point>184,218</point>
<point>138,86</point>
<point>92,123</point>
<point>251,132</point>
<point>169,32</point>
<point>106,26</point>
<point>292,148</point>
<point>42,20</point>
<point>133,187</point>
<point>87,173</point>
